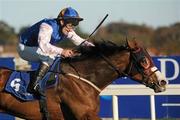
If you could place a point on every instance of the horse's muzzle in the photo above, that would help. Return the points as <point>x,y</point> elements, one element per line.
<point>161,86</point>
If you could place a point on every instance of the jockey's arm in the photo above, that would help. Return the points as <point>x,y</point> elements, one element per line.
<point>77,40</point>
<point>44,38</point>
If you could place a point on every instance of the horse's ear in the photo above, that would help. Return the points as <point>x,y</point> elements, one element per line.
<point>126,44</point>
<point>132,44</point>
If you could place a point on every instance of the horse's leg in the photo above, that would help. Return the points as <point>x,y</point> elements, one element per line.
<point>26,110</point>
<point>53,105</point>
<point>29,110</point>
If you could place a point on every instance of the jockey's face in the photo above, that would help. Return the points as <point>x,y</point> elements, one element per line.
<point>68,26</point>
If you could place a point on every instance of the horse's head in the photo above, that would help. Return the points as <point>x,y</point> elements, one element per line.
<point>142,69</point>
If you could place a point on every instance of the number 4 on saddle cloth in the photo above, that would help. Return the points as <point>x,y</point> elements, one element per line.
<point>19,80</point>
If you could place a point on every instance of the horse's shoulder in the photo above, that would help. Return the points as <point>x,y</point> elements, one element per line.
<point>4,75</point>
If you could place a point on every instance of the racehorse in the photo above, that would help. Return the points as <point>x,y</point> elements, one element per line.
<point>82,78</point>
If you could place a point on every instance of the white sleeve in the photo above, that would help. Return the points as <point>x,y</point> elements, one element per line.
<point>44,38</point>
<point>77,40</point>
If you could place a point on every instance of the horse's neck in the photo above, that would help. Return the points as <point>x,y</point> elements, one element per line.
<point>120,62</point>
<point>97,70</point>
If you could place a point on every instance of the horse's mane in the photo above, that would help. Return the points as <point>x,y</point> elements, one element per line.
<point>106,48</point>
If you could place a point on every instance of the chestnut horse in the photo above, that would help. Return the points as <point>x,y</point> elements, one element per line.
<point>82,79</point>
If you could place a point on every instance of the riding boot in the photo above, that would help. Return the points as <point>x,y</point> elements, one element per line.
<point>35,86</point>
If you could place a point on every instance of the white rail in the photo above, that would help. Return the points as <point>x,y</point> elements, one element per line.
<point>117,90</point>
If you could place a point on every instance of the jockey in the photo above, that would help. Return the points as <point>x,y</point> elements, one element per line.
<point>37,43</point>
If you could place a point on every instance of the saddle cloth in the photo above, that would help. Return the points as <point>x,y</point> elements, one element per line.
<point>18,82</point>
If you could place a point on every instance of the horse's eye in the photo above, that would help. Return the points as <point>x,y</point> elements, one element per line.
<point>144,61</point>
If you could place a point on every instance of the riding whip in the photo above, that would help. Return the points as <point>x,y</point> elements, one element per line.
<point>95,29</point>
<point>98,26</point>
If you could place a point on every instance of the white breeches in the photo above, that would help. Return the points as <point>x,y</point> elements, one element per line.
<point>35,54</point>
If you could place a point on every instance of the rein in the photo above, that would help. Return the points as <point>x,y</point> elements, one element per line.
<point>112,66</point>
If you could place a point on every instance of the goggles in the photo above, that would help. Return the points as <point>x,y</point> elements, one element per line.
<point>74,22</point>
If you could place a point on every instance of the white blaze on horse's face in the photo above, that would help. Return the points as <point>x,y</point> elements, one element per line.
<point>162,82</point>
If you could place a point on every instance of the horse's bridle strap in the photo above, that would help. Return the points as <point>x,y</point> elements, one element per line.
<point>154,70</point>
<point>111,64</point>
<point>85,80</point>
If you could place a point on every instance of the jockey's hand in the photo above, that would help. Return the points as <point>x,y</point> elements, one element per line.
<point>67,53</point>
<point>87,43</point>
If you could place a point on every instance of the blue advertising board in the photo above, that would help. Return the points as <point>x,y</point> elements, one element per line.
<point>6,117</point>
<point>139,107</point>
<point>7,62</point>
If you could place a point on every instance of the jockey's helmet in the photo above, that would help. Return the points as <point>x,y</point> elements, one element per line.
<point>69,15</point>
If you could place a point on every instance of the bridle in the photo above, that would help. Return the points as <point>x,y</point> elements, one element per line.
<point>134,61</point>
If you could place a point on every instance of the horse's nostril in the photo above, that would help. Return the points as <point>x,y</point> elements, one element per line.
<point>162,82</point>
